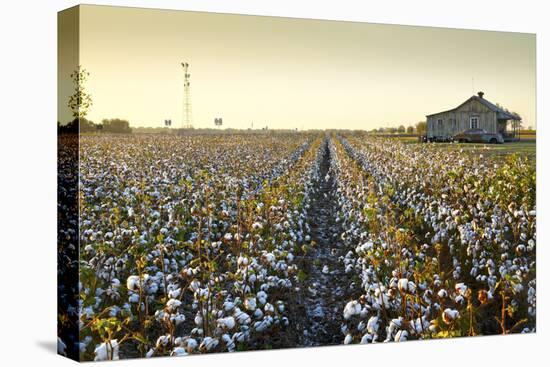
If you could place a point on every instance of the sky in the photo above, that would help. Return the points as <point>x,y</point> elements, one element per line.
<point>285,73</point>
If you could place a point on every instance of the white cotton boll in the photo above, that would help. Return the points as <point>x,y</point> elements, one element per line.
<point>134,298</point>
<point>402,284</point>
<point>242,317</point>
<point>175,293</point>
<point>372,325</point>
<point>258,313</point>
<point>450,315</point>
<point>442,293</point>
<point>62,347</point>
<point>178,319</point>
<point>228,237</point>
<point>150,353</point>
<point>208,344</point>
<point>401,336</point>
<point>250,303</point>
<point>352,308</point>
<point>107,351</point>
<point>257,225</point>
<point>227,322</point>
<point>242,261</point>
<point>163,341</point>
<point>269,308</point>
<point>173,304</point>
<point>132,283</point>
<point>367,338</point>
<point>191,345</point>
<point>178,352</point>
<point>262,297</point>
<point>325,269</point>
<point>348,339</point>
<point>461,288</point>
<point>228,306</point>
<point>198,320</point>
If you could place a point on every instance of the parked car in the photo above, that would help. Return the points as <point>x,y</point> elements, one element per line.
<point>478,136</point>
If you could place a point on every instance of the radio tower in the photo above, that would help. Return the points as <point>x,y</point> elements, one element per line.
<point>187,120</point>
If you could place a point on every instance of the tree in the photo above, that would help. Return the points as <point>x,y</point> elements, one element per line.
<point>421,127</point>
<point>117,126</point>
<point>81,100</point>
<point>410,129</point>
<point>401,129</point>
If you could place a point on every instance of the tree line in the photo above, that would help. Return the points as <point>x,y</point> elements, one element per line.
<point>419,129</point>
<point>83,125</point>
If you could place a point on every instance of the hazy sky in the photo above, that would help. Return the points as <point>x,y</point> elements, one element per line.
<point>290,73</point>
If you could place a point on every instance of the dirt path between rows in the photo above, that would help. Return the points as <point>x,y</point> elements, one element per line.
<point>324,288</point>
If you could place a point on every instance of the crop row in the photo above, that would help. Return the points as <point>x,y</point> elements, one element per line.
<point>188,244</point>
<point>442,243</point>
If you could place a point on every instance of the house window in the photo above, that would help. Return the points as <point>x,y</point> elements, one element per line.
<point>452,122</point>
<point>439,122</point>
<point>474,122</point>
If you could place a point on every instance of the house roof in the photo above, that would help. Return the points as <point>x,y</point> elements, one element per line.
<point>501,113</point>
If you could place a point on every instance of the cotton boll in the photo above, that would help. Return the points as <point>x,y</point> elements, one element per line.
<point>348,339</point>
<point>401,336</point>
<point>178,352</point>
<point>190,345</point>
<point>242,317</point>
<point>198,320</point>
<point>450,315</point>
<point>402,284</point>
<point>372,325</point>
<point>258,314</point>
<point>242,261</point>
<point>269,308</point>
<point>172,304</point>
<point>250,303</point>
<point>175,293</point>
<point>61,347</point>
<point>208,344</point>
<point>262,297</point>
<point>461,289</point>
<point>163,341</point>
<point>132,283</point>
<point>352,308</point>
<point>134,298</point>
<point>178,319</point>
<point>227,322</point>
<point>107,351</point>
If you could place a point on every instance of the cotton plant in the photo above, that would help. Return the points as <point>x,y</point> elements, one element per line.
<point>469,227</point>
<point>187,259</point>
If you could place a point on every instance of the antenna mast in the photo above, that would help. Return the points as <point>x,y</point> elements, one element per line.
<point>187,119</point>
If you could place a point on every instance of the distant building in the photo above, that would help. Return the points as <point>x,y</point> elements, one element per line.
<point>475,113</point>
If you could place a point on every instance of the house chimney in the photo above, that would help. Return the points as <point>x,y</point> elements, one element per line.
<point>480,94</point>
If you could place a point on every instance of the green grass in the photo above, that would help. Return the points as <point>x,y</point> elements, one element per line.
<point>527,147</point>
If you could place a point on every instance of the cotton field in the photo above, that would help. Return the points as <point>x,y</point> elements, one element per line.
<point>223,243</point>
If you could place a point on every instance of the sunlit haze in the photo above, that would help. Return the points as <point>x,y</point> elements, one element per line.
<point>289,73</point>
